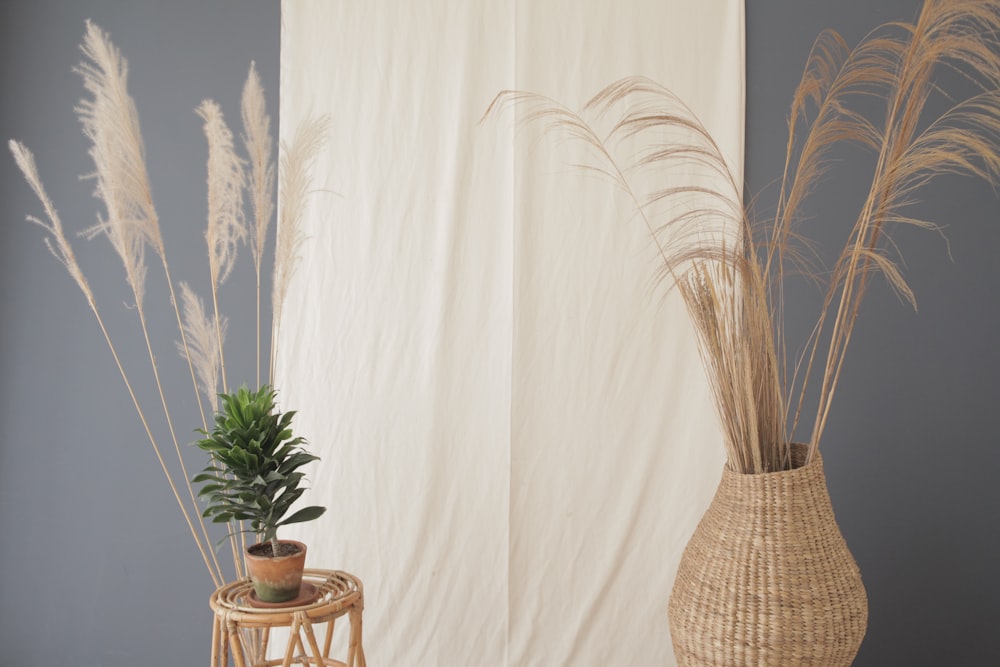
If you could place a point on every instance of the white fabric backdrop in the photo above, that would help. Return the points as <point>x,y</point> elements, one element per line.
<point>516,433</point>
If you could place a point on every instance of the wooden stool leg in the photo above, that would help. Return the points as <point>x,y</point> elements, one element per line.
<point>223,645</point>
<point>355,650</point>
<point>293,639</point>
<point>264,641</point>
<point>215,642</point>
<point>329,637</point>
<point>235,643</point>
<point>311,638</point>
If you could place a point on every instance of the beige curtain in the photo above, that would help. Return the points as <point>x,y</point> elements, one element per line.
<point>516,432</point>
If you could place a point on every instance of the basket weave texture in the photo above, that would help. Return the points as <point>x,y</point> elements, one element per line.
<point>767,578</point>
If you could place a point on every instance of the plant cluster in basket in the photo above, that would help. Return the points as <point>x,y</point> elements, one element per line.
<point>884,97</point>
<point>250,435</point>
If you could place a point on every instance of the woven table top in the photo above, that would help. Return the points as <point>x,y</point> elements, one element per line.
<point>336,593</point>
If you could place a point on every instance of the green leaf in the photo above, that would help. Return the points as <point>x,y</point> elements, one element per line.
<point>210,488</point>
<point>304,514</point>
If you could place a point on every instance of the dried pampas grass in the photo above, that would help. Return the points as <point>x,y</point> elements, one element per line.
<point>226,227</point>
<point>111,123</point>
<point>130,223</point>
<point>258,143</point>
<point>205,336</point>
<point>294,186</point>
<point>56,241</point>
<point>731,271</point>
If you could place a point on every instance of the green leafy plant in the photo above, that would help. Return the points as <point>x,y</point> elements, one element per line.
<point>254,474</point>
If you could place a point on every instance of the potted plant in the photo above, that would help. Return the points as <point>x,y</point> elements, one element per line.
<point>254,476</point>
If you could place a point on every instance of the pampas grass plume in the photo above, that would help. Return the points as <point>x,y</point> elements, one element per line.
<point>295,183</point>
<point>226,226</point>
<point>202,346</point>
<point>57,243</point>
<point>258,143</point>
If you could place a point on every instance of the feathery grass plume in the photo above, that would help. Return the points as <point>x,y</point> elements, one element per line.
<point>660,193</point>
<point>257,139</point>
<point>683,182</point>
<point>683,191</point>
<point>896,65</point>
<point>59,246</point>
<point>202,348</point>
<point>111,122</point>
<point>731,272</point>
<point>293,190</point>
<point>226,224</point>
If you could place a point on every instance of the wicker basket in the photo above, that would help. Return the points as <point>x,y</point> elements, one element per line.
<point>767,578</point>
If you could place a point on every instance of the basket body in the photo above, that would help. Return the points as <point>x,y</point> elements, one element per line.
<point>767,578</point>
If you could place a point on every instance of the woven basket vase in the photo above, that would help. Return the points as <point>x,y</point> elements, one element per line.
<point>767,578</point>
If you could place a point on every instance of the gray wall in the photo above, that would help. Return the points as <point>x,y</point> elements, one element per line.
<point>97,563</point>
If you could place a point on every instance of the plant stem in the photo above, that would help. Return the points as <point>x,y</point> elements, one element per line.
<point>184,344</point>
<point>187,477</point>
<point>257,354</point>
<point>218,326</point>
<point>216,573</point>
<point>170,425</point>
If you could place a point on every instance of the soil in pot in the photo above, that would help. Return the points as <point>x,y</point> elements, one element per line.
<point>265,550</point>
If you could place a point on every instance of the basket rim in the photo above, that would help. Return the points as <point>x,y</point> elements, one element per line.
<point>800,447</point>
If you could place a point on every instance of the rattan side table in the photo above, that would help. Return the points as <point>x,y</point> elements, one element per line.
<point>245,629</point>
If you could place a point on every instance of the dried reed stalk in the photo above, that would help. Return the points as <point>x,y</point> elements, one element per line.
<point>731,272</point>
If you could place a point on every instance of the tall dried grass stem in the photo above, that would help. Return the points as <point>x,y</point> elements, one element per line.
<point>111,122</point>
<point>226,225</point>
<point>63,251</point>
<point>258,143</point>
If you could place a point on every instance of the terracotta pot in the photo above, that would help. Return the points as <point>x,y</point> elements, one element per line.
<point>276,579</point>
<point>767,578</point>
